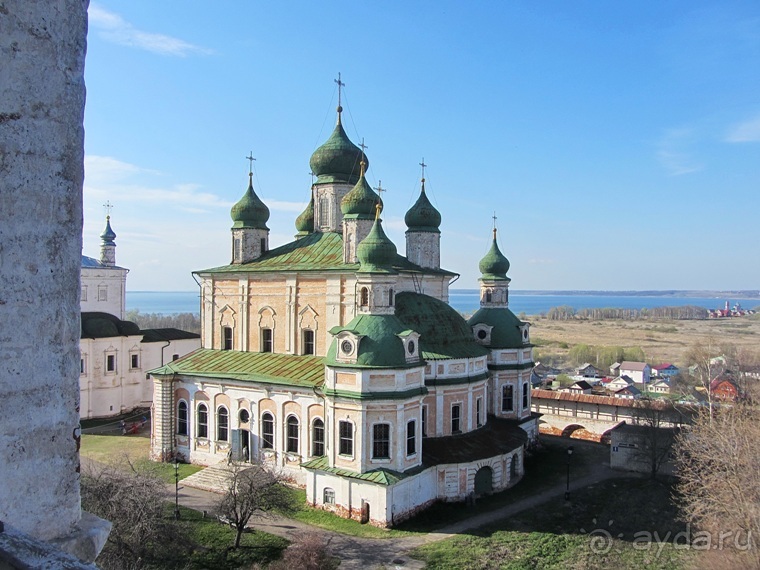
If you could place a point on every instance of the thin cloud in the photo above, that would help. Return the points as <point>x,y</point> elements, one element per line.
<point>748,131</point>
<point>673,152</point>
<point>113,28</point>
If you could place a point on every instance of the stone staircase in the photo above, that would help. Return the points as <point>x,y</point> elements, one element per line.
<point>214,478</point>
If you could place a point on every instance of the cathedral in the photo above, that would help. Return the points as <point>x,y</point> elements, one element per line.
<point>339,362</point>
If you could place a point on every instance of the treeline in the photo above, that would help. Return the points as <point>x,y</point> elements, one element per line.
<point>190,322</point>
<point>566,313</point>
<point>604,356</point>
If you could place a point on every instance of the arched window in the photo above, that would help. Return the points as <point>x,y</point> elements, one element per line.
<point>381,441</point>
<point>182,418</point>
<point>222,424</point>
<point>226,338</point>
<point>267,431</point>
<point>488,296</point>
<point>291,441</point>
<point>328,496</point>
<point>308,341</point>
<point>318,438</point>
<point>364,297</point>
<point>202,421</point>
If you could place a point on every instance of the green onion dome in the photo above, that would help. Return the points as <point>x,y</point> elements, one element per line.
<point>494,265</point>
<point>337,160</point>
<point>250,211</point>
<point>305,221</point>
<point>361,201</point>
<point>108,234</point>
<point>376,252</point>
<point>422,216</point>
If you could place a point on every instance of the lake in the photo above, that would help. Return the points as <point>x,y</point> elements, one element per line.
<point>464,300</point>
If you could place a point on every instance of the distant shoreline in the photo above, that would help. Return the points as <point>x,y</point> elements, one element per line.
<point>675,293</point>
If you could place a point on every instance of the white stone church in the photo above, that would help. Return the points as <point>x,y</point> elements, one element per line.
<point>340,363</point>
<point>115,354</point>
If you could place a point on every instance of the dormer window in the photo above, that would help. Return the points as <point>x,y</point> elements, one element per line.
<point>364,297</point>
<point>482,333</point>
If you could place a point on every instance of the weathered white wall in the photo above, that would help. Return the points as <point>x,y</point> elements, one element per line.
<point>114,280</point>
<point>42,47</point>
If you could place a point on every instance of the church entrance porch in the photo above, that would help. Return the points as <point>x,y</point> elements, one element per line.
<point>241,445</point>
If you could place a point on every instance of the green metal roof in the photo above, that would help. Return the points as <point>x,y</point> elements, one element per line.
<point>422,216</point>
<point>384,477</point>
<point>250,211</point>
<point>337,160</point>
<point>380,345</point>
<point>314,252</point>
<point>265,367</point>
<point>494,265</point>
<point>444,334</point>
<point>506,327</point>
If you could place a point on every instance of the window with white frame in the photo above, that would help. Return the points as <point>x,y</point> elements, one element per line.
<point>182,418</point>
<point>328,496</point>
<point>291,440</point>
<point>226,338</point>
<point>201,422</point>
<point>134,361</point>
<point>381,441</point>
<point>102,293</point>
<point>267,344</point>
<point>507,398</point>
<point>267,431</point>
<point>456,418</point>
<point>111,362</point>
<point>84,293</point>
<point>318,438</point>
<point>222,424</point>
<point>308,341</point>
<point>83,365</point>
<point>345,438</point>
<point>411,437</point>
<point>525,394</point>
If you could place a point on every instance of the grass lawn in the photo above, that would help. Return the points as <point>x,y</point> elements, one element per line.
<point>544,468</point>
<point>216,539</point>
<point>601,528</point>
<point>130,449</point>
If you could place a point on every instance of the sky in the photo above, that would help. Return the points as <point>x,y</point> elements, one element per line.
<point>617,143</point>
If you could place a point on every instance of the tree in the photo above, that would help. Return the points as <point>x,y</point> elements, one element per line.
<point>133,500</point>
<point>700,359</point>
<point>719,479</point>
<point>658,419</point>
<point>251,490</point>
<point>309,551</point>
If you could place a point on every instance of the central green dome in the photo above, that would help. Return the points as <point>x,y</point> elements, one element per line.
<point>250,211</point>
<point>376,252</point>
<point>337,160</point>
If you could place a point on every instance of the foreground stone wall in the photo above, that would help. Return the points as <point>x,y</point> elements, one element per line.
<point>42,47</point>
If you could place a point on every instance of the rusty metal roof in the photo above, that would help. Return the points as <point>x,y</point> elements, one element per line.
<point>265,367</point>
<point>583,398</point>
<point>497,437</point>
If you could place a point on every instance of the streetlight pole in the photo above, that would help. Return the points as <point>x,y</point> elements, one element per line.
<point>567,488</point>
<point>176,489</point>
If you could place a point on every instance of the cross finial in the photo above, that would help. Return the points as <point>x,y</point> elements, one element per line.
<point>340,84</point>
<point>250,159</point>
<point>108,207</point>
<point>494,226</point>
<point>364,147</point>
<point>423,165</point>
<point>380,189</point>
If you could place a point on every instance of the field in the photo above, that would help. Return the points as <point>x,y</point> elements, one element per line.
<point>661,340</point>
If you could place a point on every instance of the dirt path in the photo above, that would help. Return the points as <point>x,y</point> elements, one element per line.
<point>367,554</point>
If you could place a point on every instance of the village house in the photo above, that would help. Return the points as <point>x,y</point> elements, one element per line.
<point>629,393</point>
<point>619,383</point>
<point>665,370</point>
<point>579,387</point>
<point>589,371</point>
<point>340,363</point>
<point>724,388</point>
<point>660,387</point>
<point>639,372</point>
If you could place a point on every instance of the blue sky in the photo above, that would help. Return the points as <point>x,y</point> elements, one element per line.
<point>618,143</point>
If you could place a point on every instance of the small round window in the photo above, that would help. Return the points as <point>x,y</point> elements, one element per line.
<point>347,347</point>
<point>410,347</point>
<point>244,416</point>
<point>482,334</point>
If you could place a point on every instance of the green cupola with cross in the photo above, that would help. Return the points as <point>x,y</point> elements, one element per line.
<point>423,236</point>
<point>250,234</point>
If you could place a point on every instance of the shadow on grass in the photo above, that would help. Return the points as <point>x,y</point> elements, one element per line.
<point>545,467</point>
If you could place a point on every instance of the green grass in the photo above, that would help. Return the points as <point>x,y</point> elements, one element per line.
<point>130,449</point>
<point>214,540</point>
<point>556,536</point>
<point>544,468</point>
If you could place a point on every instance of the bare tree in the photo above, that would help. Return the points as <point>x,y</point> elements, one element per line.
<point>719,487</point>
<point>133,500</point>
<point>658,419</point>
<point>251,490</point>
<point>308,551</point>
<point>700,357</point>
